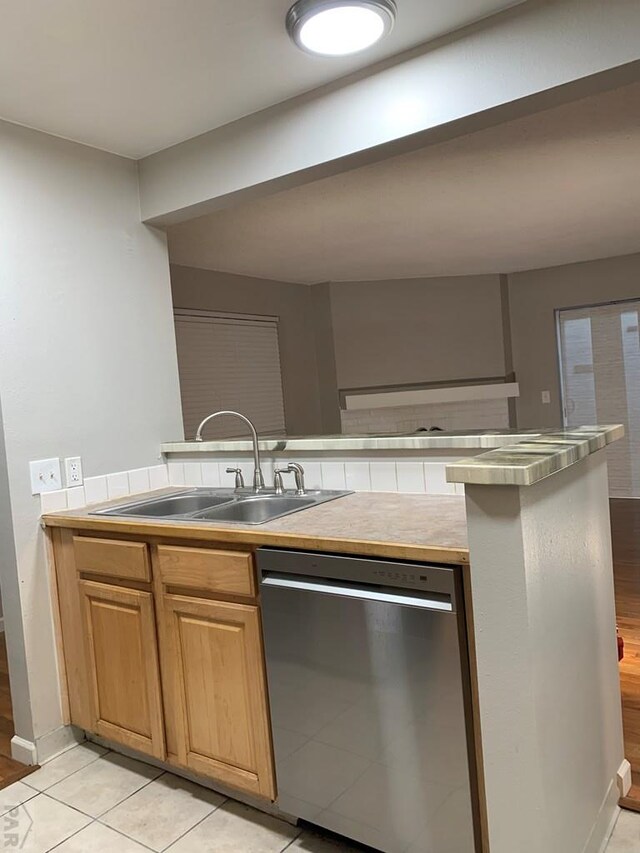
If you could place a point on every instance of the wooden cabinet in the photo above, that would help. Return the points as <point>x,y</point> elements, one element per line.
<point>112,558</point>
<point>207,570</point>
<point>122,660</point>
<point>163,652</point>
<point>214,654</point>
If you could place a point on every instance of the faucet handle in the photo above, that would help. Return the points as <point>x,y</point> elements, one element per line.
<point>277,479</point>
<point>239,477</point>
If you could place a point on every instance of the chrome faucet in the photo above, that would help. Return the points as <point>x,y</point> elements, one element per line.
<point>292,468</point>
<point>258,479</point>
<point>278,488</point>
<point>239,477</point>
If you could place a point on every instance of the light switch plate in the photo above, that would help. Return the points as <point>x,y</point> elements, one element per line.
<point>546,397</point>
<point>46,476</point>
<point>73,471</point>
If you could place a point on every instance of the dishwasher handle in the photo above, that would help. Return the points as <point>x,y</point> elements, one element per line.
<point>364,592</point>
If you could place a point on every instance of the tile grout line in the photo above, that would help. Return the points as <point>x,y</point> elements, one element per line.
<point>224,802</point>
<point>69,837</point>
<point>99,819</point>
<point>73,773</point>
<point>18,805</point>
<point>213,811</point>
<point>175,841</point>
<point>73,808</point>
<point>123,834</point>
<point>293,840</point>
<point>93,822</point>
<point>92,819</point>
<point>67,805</point>
<point>102,814</point>
<point>133,793</point>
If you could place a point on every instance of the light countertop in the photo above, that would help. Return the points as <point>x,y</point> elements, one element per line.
<point>399,526</point>
<point>460,440</point>
<point>531,460</point>
<point>512,457</point>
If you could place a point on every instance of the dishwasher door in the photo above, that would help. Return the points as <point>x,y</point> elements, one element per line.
<point>367,692</point>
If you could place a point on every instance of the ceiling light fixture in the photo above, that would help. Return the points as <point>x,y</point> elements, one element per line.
<point>339,27</point>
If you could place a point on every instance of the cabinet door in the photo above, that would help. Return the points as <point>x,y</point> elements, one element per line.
<point>122,658</point>
<point>220,714</point>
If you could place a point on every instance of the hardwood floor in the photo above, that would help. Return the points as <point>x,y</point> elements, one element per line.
<point>10,770</point>
<point>625,529</point>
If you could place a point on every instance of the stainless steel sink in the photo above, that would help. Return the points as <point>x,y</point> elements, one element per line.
<point>259,509</point>
<point>173,506</point>
<point>202,505</point>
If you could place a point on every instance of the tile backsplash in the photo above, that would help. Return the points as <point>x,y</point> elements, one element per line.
<point>358,475</point>
<point>96,490</point>
<point>372,474</point>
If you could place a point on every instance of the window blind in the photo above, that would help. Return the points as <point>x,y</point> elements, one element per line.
<point>228,361</point>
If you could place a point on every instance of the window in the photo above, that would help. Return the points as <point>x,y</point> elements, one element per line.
<point>229,361</point>
<point>599,349</point>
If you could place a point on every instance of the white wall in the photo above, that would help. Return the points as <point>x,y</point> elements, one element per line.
<point>87,356</point>
<point>504,66</point>
<point>547,667</point>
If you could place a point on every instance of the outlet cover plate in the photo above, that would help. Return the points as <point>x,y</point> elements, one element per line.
<point>73,471</point>
<point>46,476</point>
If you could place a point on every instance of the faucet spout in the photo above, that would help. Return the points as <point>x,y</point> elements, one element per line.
<point>258,478</point>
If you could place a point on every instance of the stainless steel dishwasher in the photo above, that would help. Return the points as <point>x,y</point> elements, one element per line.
<point>368,685</point>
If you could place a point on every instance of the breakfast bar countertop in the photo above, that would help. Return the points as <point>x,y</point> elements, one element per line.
<point>507,457</point>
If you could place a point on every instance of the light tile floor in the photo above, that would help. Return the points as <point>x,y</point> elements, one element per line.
<point>89,800</point>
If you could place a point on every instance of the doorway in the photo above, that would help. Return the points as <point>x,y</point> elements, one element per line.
<point>599,355</point>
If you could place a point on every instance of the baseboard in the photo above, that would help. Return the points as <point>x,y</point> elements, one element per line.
<point>46,747</point>
<point>57,741</point>
<point>624,778</point>
<point>605,822</point>
<point>23,750</point>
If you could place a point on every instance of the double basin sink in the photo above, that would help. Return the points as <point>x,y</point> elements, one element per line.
<point>202,504</point>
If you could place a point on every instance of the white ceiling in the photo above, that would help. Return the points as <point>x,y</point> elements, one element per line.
<point>136,76</point>
<point>553,188</point>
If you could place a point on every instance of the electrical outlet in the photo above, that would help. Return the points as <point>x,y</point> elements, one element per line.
<point>46,476</point>
<point>73,471</point>
<point>546,397</point>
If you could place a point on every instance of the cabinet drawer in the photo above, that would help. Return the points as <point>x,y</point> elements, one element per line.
<point>228,572</point>
<point>112,558</point>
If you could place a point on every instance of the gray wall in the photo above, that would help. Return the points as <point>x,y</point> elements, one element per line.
<point>87,358</point>
<point>306,344</point>
<point>534,295</point>
<point>417,330</point>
